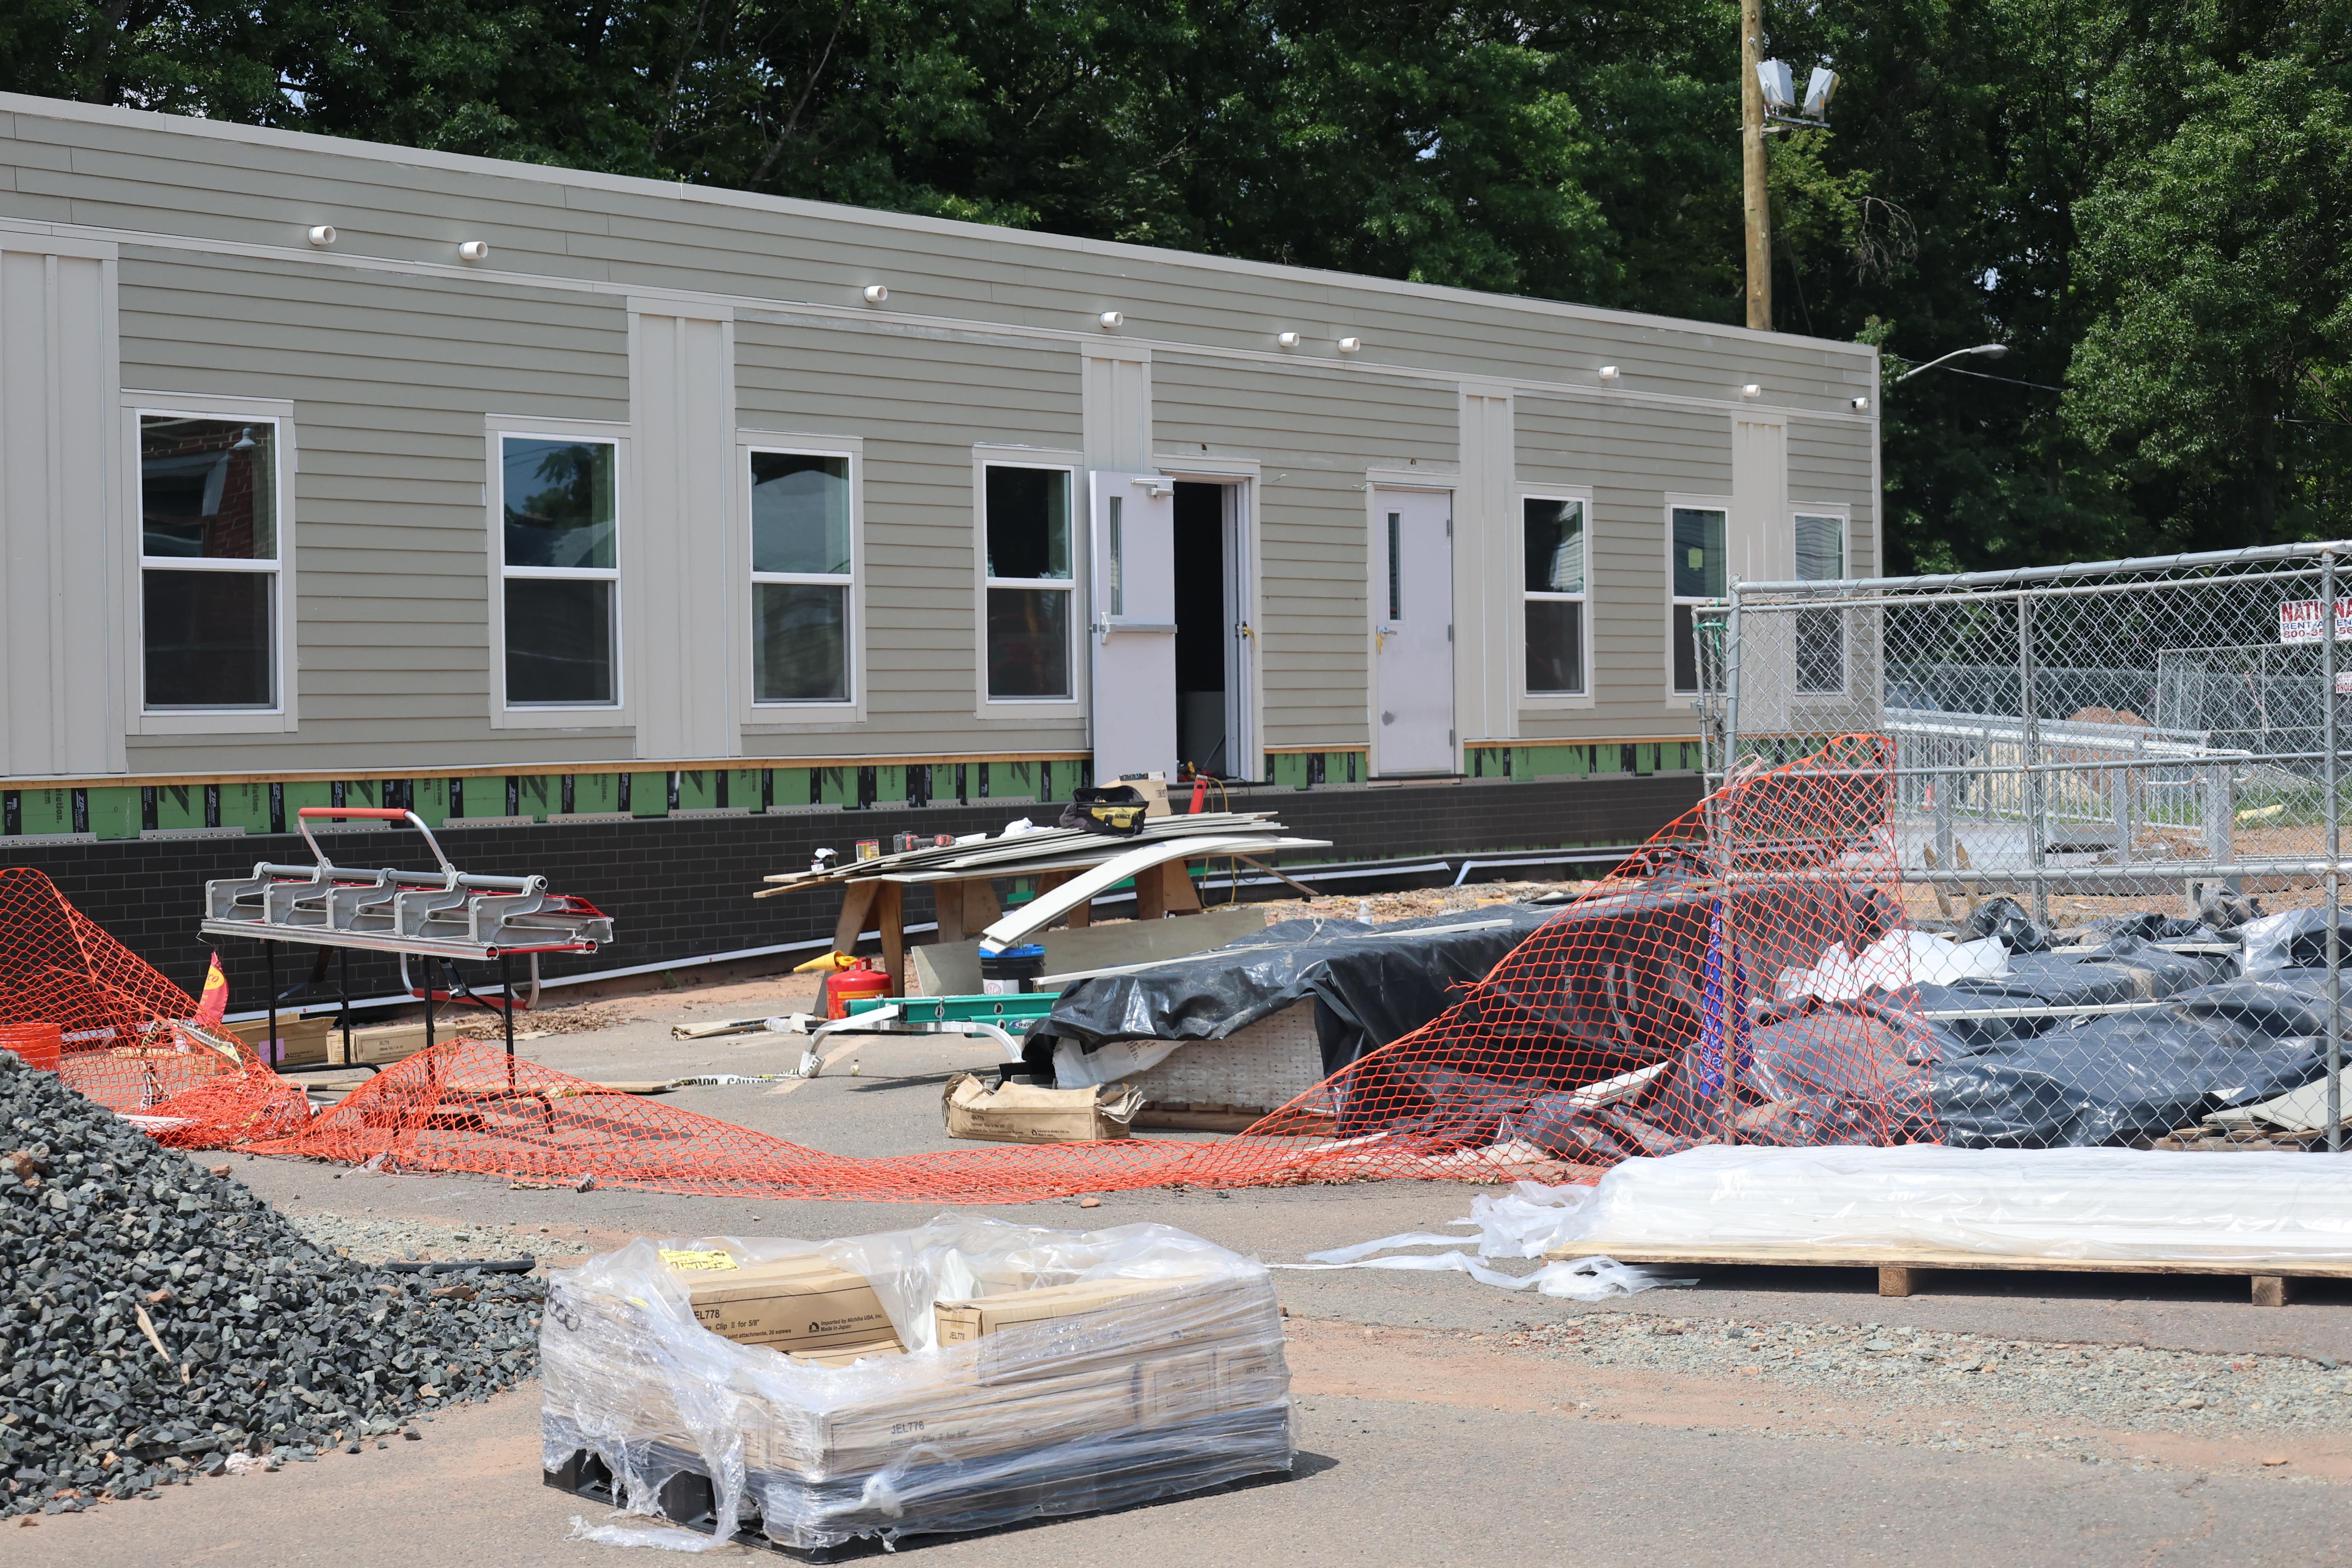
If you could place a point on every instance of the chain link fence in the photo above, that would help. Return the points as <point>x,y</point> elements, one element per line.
<point>2155,742</point>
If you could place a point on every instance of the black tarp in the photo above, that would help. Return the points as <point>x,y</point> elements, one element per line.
<point>1371,984</point>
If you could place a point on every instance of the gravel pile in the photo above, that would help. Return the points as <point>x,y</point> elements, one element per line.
<point>2108,1385</point>
<point>159,1322</point>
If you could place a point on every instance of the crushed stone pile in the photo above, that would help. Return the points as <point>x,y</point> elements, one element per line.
<point>159,1322</point>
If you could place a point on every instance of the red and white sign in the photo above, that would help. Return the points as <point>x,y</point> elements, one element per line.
<point>2305,620</point>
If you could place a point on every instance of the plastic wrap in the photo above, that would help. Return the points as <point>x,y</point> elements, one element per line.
<point>1158,1391</point>
<point>2120,1203</point>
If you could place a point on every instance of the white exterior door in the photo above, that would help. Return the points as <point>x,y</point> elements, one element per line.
<point>1133,632</point>
<point>1412,627</point>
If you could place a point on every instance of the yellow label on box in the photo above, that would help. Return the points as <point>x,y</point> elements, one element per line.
<point>684,1260</point>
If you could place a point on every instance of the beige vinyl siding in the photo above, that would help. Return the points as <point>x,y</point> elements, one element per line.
<point>390,378</point>
<point>1314,431</point>
<point>391,352</point>
<point>133,172</point>
<point>1831,462</point>
<point>920,400</point>
<point>1632,455</point>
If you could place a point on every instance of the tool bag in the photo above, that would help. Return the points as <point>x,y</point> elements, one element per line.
<point>1114,809</point>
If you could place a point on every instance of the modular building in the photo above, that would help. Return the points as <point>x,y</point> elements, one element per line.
<point>544,501</point>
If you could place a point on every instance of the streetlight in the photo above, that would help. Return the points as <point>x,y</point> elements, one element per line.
<point>1989,350</point>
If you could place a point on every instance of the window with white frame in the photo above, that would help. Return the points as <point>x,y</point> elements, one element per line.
<point>560,570</point>
<point>1552,540</point>
<point>1027,522</point>
<point>803,575</point>
<point>1820,633</point>
<point>1698,566</point>
<point>209,564</point>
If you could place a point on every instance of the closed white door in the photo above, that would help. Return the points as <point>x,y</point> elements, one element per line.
<point>1133,632</point>
<point>1412,624</point>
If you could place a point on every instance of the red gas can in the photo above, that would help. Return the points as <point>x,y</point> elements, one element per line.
<point>845,985</point>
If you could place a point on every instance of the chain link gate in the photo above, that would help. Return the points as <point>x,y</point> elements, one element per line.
<point>2090,739</point>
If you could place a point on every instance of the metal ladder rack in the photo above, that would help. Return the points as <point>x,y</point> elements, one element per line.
<point>445,916</point>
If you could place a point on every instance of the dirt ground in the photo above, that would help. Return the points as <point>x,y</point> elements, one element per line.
<point>1438,1419</point>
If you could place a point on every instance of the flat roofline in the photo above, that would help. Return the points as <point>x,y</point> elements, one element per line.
<point>70,109</point>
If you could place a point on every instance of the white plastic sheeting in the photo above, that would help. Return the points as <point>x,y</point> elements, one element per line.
<point>1899,959</point>
<point>1165,1392</point>
<point>1522,1223</point>
<point>2123,1204</point>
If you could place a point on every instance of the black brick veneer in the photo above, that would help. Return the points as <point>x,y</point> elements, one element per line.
<point>682,887</point>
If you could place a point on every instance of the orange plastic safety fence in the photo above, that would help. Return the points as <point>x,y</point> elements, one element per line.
<point>1678,1002</point>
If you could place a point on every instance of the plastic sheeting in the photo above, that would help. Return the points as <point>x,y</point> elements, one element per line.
<point>1155,1395</point>
<point>1371,984</point>
<point>2118,1204</point>
<point>1522,1223</point>
<point>2132,1075</point>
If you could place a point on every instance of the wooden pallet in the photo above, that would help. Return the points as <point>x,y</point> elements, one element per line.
<point>1899,1275</point>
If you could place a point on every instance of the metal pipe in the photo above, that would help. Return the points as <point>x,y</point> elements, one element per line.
<point>354,877</point>
<point>2335,853</point>
<point>2036,829</point>
<point>2073,569</point>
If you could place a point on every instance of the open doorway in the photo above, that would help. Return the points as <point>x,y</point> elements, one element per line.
<point>1212,638</point>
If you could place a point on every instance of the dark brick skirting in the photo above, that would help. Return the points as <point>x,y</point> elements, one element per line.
<point>681,888</point>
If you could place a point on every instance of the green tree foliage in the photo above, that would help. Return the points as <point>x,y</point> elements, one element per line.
<point>2151,205</point>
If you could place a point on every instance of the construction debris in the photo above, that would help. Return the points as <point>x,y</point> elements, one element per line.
<point>1023,850</point>
<point>159,1320</point>
<point>1027,1373</point>
<point>1015,1113</point>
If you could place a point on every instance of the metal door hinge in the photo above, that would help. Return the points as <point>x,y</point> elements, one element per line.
<point>1449,737</point>
<point>1449,631</point>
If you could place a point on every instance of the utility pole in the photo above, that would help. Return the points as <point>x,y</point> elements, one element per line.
<point>1756,198</point>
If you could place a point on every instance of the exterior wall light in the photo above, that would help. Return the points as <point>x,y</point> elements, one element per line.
<point>1110,319</point>
<point>1350,345</point>
<point>321,234</point>
<point>1287,340</point>
<point>1752,389</point>
<point>876,293</point>
<point>474,250</point>
<point>1609,372</point>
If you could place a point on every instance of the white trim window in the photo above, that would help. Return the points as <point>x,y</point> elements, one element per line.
<point>804,576</point>
<point>212,547</point>
<point>556,505</point>
<point>1030,616</point>
<point>1697,572</point>
<point>1821,634</point>
<point>1553,538</point>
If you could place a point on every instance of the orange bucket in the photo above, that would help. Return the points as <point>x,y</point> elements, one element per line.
<point>38,1045</point>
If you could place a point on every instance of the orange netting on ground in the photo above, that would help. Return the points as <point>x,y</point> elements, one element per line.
<point>1640,1021</point>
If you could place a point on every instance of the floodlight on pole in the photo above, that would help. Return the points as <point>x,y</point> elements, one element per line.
<point>1987,351</point>
<point>1817,93</point>
<point>1781,107</point>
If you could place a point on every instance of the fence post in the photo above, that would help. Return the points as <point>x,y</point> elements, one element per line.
<point>2037,832</point>
<point>2335,850</point>
<point>1726,814</point>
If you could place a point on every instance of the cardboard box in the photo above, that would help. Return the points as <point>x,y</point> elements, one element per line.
<point>847,1354</point>
<point>978,1421</point>
<point>1116,1320</point>
<point>382,1043</point>
<point>1030,1113</point>
<point>302,1042</point>
<point>800,1305</point>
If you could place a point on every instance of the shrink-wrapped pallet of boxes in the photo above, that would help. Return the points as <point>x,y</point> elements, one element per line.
<point>960,1377</point>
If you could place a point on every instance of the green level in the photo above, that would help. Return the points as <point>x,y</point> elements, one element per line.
<point>1021,1008</point>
